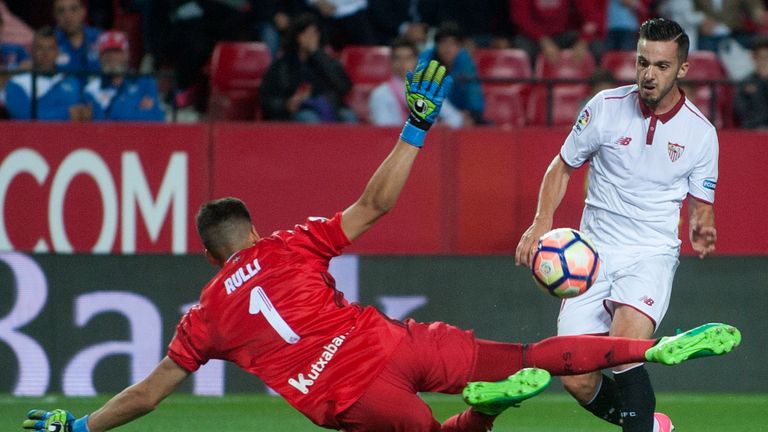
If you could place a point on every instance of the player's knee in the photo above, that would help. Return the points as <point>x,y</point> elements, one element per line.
<point>581,387</point>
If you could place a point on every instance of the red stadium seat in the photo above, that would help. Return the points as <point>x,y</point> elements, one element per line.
<point>704,65</point>
<point>505,104</point>
<point>567,98</point>
<point>621,64</point>
<point>357,100</point>
<point>504,101</point>
<point>237,69</point>
<point>366,64</point>
<point>566,104</point>
<point>566,68</point>
<point>502,63</point>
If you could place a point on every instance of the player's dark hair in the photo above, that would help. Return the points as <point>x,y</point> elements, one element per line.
<point>222,224</point>
<point>449,29</point>
<point>662,30</point>
<point>295,28</point>
<point>401,42</point>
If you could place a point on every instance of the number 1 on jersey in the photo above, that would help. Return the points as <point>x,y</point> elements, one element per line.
<point>261,303</point>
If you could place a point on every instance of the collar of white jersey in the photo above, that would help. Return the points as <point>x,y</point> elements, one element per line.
<point>664,117</point>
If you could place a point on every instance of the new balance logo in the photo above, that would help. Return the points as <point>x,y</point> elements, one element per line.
<point>647,300</point>
<point>624,141</point>
<point>303,382</point>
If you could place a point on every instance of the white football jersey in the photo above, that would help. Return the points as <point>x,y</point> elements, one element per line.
<point>642,166</point>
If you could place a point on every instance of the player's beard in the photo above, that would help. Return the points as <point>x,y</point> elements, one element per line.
<point>653,102</point>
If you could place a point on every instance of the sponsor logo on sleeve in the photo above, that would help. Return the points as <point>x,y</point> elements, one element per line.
<point>709,184</point>
<point>582,121</point>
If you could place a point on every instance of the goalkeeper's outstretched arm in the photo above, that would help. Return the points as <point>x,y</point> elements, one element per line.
<point>140,398</point>
<point>425,90</point>
<point>130,404</point>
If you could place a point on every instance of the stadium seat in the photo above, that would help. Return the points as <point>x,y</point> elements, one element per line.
<point>621,64</point>
<point>505,104</point>
<point>504,101</point>
<point>566,68</point>
<point>566,103</point>
<point>502,63</point>
<point>237,69</point>
<point>357,100</point>
<point>366,64</point>
<point>567,98</point>
<point>704,65</point>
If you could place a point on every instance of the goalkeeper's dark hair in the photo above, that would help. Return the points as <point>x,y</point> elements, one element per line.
<point>222,224</point>
<point>662,30</point>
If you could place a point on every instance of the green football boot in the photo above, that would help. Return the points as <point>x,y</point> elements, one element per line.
<point>703,341</point>
<point>492,398</point>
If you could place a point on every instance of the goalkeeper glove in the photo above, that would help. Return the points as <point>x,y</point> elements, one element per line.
<point>54,421</point>
<point>425,91</point>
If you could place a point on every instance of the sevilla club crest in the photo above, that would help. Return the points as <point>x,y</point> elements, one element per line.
<point>675,151</point>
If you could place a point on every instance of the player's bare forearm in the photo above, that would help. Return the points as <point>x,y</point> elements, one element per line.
<point>139,399</point>
<point>701,224</point>
<point>382,191</point>
<point>551,193</point>
<point>553,188</point>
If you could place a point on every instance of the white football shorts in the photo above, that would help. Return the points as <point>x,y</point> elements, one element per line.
<point>642,281</point>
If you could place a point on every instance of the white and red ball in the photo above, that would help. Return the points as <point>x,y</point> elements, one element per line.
<point>565,263</point>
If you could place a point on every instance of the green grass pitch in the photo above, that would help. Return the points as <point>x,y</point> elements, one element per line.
<point>549,412</point>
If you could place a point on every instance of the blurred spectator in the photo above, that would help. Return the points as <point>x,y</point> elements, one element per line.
<point>14,30</point>
<point>387,105</point>
<point>114,95</point>
<point>271,19</point>
<point>480,21</point>
<point>12,56</point>
<point>155,21</point>
<point>623,18</point>
<point>751,104</point>
<point>101,13</point>
<point>601,79</point>
<point>196,27</point>
<point>34,13</point>
<point>57,96</point>
<point>77,41</point>
<point>685,14</point>
<point>729,18</point>
<point>547,26</point>
<point>345,22</point>
<point>466,94</point>
<point>305,84</point>
<point>406,18</point>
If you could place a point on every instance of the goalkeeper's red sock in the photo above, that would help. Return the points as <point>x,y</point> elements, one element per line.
<point>468,421</point>
<point>575,355</point>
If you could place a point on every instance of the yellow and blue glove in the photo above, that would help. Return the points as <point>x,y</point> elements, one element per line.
<point>54,421</point>
<point>425,91</point>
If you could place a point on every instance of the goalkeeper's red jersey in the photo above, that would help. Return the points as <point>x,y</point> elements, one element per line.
<point>273,309</point>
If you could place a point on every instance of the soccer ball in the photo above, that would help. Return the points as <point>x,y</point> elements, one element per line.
<point>565,263</point>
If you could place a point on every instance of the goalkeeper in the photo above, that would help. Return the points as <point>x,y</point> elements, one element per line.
<point>274,311</point>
